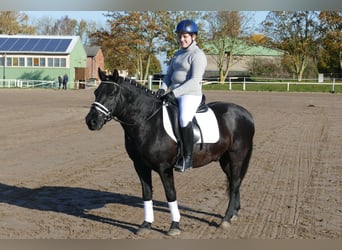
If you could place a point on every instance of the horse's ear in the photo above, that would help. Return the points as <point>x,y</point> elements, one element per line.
<point>115,75</point>
<point>102,75</point>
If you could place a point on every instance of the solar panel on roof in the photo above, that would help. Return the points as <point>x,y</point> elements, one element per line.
<point>15,44</point>
<point>2,40</point>
<point>29,45</point>
<point>52,44</point>
<point>63,45</point>
<point>19,44</point>
<point>8,43</point>
<point>40,45</point>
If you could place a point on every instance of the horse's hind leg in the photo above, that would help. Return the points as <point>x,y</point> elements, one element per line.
<point>235,165</point>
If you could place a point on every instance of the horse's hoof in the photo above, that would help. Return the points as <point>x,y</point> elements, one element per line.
<point>225,224</point>
<point>145,228</point>
<point>173,232</point>
<point>234,218</point>
<point>174,229</point>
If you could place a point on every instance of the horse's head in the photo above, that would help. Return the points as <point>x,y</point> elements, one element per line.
<point>104,77</point>
<point>106,96</point>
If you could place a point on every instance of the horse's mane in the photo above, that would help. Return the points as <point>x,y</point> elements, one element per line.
<point>123,81</point>
<point>141,88</point>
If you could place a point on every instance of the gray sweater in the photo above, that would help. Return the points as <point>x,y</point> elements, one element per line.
<point>185,72</point>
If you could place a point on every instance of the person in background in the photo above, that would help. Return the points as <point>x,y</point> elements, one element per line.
<point>183,79</point>
<point>65,81</point>
<point>60,82</point>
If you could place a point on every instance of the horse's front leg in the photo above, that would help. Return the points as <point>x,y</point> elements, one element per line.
<point>145,176</point>
<point>166,175</point>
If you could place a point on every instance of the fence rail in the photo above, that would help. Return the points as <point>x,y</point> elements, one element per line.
<point>17,83</point>
<point>288,83</point>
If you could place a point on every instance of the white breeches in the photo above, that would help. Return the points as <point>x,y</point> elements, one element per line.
<point>188,105</point>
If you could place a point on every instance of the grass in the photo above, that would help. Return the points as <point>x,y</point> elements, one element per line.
<point>279,87</point>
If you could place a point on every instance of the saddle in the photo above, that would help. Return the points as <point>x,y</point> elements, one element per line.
<point>203,110</point>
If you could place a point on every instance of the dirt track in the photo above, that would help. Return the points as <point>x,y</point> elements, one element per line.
<point>60,180</point>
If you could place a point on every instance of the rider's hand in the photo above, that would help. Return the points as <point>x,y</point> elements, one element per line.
<point>169,97</point>
<point>160,93</point>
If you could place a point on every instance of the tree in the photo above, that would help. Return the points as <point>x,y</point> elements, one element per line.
<point>226,32</point>
<point>136,37</point>
<point>44,25</point>
<point>129,43</point>
<point>65,26</point>
<point>13,22</point>
<point>330,56</point>
<point>296,33</point>
<point>133,41</point>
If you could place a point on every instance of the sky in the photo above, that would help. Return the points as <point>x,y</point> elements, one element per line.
<point>99,18</point>
<point>96,16</point>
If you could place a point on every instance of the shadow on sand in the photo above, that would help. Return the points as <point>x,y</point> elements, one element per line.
<point>78,201</point>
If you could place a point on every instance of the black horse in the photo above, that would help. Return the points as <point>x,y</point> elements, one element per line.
<point>139,112</point>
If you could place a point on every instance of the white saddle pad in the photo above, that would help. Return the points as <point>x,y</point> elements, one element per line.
<point>207,122</point>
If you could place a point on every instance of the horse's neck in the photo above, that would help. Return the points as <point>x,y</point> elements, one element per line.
<point>137,107</point>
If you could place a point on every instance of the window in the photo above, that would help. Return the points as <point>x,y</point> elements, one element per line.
<point>29,62</point>
<point>42,62</point>
<point>56,62</point>
<point>63,62</point>
<point>50,62</point>
<point>15,61</point>
<point>35,61</point>
<point>9,61</point>
<point>21,61</point>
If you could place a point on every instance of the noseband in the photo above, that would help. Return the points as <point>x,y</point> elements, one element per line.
<point>102,109</point>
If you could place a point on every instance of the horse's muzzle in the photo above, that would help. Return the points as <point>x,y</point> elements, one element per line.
<point>94,120</point>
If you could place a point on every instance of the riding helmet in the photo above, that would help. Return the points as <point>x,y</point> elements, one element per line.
<point>187,26</point>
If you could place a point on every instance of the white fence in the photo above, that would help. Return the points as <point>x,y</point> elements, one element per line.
<point>288,83</point>
<point>244,82</point>
<point>17,83</point>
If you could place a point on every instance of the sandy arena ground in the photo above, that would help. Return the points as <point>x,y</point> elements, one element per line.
<point>58,180</point>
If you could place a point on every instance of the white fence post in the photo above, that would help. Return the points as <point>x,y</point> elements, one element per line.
<point>288,86</point>
<point>333,86</point>
<point>150,82</point>
<point>244,84</point>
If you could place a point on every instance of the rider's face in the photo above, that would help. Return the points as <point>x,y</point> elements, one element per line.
<point>185,39</point>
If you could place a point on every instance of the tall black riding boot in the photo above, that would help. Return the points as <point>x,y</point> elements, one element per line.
<point>187,135</point>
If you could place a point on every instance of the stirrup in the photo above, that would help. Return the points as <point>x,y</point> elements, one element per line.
<point>184,164</point>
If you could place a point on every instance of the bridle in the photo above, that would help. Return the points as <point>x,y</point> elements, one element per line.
<point>102,109</point>
<point>108,116</point>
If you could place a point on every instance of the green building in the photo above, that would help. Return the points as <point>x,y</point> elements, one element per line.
<point>244,57</point>
<point>41,58</point>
